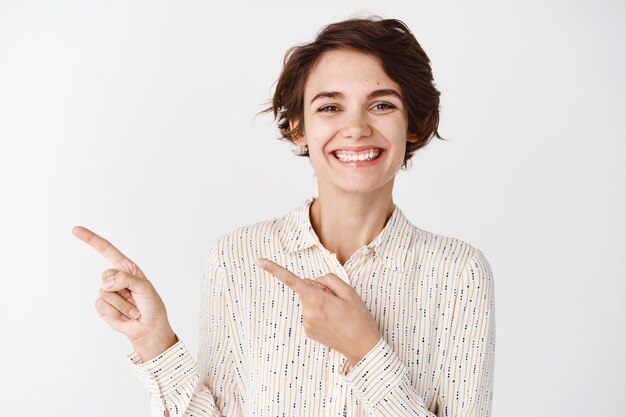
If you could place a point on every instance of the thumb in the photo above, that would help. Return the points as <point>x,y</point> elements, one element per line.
<point>122,280</point>
<point>109,273</point>
<point>336,284</point>
<point>321,286</point>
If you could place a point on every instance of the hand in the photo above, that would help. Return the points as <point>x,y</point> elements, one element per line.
<point>334,313</point>
<point>128,302</point>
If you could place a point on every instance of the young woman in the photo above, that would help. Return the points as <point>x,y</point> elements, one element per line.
<point>342,307</point>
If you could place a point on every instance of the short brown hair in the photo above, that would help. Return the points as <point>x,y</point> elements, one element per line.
<point>403,59</point>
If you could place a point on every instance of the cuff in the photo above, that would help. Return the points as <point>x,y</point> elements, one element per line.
<point>378,373</point>
<point>165,372</point>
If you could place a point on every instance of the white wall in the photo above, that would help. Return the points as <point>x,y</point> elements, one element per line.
<point>137,119</point>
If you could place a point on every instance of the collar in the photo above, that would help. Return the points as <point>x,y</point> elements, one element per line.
<point>390,246</point>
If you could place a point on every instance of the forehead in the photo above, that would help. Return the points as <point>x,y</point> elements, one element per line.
<point>344,70</point>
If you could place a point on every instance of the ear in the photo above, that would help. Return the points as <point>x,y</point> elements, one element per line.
<point>300,140</point>
<point>411,137</point>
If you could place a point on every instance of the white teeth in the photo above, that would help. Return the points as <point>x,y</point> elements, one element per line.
<point>352,156</point>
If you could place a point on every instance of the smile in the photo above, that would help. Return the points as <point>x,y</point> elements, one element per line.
<point>365,155</point>
<point>362,158</point>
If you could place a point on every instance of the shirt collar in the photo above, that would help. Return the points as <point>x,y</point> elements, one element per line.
<point>390,246</point>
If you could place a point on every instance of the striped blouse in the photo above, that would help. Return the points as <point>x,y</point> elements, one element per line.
<point>431,296</point>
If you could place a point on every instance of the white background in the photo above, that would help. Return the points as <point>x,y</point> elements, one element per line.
<point>137,119</point>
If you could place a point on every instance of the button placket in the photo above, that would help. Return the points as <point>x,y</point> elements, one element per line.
<point>339,389</point>
<point>336,266</point>
<point>341,270</point>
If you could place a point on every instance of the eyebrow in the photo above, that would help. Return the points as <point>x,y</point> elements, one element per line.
<point>373,94</point>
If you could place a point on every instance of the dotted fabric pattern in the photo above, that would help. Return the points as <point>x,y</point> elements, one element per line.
<point>431,296</point>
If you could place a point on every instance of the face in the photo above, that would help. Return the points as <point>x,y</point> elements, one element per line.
<point>355,123</point>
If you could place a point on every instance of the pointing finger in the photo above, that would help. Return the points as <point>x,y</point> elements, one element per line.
<point>110,252</point>
<point>289,278</point>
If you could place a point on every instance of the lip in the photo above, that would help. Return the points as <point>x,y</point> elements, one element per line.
<point>356,148</point>
<point>358,164</point>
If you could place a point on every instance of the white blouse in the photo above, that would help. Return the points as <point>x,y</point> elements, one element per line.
<point>431,296</point>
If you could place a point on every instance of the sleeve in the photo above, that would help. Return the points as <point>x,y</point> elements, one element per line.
<point>382,381</point>
<point>180,385</point>
<point>466,387</point>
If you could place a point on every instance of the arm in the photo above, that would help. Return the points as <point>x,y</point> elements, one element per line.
<point>382,382</point>
<point>472,344</point>
<point>180,386</point>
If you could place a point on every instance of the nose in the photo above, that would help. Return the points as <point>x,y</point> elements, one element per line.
<point>356,125</point>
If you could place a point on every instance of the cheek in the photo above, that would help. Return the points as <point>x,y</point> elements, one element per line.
<point>318,140</point>
<point>322,127</point>
<point>317,159</point>
<point>402,148</point>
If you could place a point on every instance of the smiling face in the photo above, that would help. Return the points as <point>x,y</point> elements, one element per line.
<point>355,123</point>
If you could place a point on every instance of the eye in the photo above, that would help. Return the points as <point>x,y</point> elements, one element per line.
<point>327,109</point>
<point>385,106</point>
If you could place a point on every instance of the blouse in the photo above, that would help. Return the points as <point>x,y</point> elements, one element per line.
<point>431,296</point>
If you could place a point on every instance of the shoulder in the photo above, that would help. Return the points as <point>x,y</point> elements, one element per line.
<point>261,232</point>
<point>245,243</point>
<point>457,256</point>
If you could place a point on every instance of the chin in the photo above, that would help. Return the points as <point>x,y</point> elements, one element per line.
<point>360,187</point>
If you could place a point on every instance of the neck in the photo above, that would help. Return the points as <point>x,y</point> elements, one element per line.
<point>344,222</point>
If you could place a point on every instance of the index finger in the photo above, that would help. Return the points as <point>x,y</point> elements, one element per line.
<point>292,280</point>
<point>110,252</point>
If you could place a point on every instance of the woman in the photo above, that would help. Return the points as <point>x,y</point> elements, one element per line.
<point>341,307</point>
